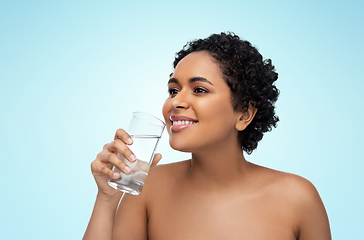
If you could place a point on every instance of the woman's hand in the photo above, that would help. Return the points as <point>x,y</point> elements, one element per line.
<point>101,167</point>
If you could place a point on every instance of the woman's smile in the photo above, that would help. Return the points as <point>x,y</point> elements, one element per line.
<point>180,122</point>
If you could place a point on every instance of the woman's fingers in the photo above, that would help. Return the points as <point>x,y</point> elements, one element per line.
<point>113,154</point>
<point>121,139</point>
<point>106,161</point>
<point>123,136</point>
<point>120,147</point>
<point>101,169</point>
<point>156,159</point>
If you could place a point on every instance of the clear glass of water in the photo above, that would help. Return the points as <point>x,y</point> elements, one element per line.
<point>145,130</point>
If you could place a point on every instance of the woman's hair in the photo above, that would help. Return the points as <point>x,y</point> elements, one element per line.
<point>250,78</point>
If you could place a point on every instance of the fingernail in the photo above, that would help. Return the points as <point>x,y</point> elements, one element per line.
<point>116,175</point>
<point>132,157</point>
<point>129,141</point>
<point>127,169</point>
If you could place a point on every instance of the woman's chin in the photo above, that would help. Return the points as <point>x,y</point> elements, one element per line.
<point>180,147</point>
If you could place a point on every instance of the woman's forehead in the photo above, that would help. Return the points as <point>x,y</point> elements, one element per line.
<point>197,64</point>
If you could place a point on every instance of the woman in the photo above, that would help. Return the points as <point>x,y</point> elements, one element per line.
<point>221,101</point>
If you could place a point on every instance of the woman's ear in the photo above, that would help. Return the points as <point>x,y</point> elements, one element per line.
<point>245,118</point>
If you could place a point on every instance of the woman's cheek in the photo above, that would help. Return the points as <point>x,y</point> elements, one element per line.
<point>166,109</point>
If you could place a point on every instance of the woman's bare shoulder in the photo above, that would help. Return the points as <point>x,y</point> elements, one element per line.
<point>165,175</point>
<point>291,190</point>
<point>300,193</point>
<point>297,196</point>
<point>170,168</point>
<point>291,183</point>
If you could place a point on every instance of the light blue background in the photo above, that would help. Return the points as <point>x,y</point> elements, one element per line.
<point>72,72</point>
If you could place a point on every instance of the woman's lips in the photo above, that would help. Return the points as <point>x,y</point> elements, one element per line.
<point>180,122</point>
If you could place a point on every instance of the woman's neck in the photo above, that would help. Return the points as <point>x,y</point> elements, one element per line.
<point>218,166</point>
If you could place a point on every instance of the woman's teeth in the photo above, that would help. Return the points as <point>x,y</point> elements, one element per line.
<point>183,122</point>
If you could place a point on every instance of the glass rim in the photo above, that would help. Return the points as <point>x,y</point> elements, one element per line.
<point>149,115</point>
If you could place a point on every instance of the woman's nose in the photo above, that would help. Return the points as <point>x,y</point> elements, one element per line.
<point>180,100</point>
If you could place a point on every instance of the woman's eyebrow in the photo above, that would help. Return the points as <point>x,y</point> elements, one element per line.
<point>200,79</point>
<point>173,80</point>
<point>192,80</point>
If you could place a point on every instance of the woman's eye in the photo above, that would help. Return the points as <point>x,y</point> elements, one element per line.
<point>172,92</point>
<point>199,90</point>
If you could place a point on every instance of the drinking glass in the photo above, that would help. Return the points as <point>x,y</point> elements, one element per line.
<point>146,131</point>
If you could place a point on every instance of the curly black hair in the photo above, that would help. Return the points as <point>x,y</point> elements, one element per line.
<point>250,78</point>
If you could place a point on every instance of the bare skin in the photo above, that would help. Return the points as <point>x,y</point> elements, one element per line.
<point>216,194</point>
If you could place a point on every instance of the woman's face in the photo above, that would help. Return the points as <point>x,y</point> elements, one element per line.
<point>198,112</point>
